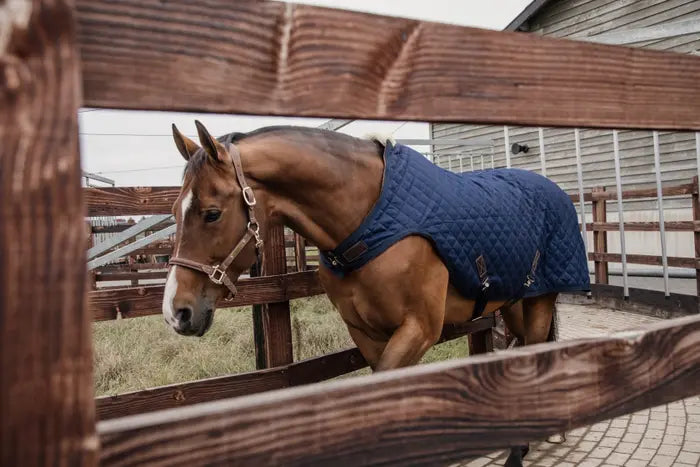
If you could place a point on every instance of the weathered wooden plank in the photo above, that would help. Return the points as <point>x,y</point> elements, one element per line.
<point>425,415</point>
<point>287,63</point>
<point>274,314</point>
<point>670,226</point>
<point>127,276</point>
<point>47,416</point>
<point>678,190</point>
<point>142,301</point>
<point>182,394</point>
<point>307,371</point>
<point>673,261</point>
<point>129,267</point>
<point>111,201</point>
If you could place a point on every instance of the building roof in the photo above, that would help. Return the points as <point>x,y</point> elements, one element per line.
<point>526,14</point>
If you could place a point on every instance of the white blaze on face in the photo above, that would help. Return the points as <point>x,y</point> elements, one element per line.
<point>171,282</point>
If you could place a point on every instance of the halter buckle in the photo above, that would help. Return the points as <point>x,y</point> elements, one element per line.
<point>249,196</point>
<point>255,228</point>
<point>217,275</point>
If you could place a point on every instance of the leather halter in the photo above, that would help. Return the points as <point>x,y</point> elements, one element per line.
<point>217,273</point>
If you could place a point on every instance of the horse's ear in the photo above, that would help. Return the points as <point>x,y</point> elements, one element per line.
<point>186,146</point>
<point>210,145</point>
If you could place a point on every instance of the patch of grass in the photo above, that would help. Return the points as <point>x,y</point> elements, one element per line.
<point>134,354</point>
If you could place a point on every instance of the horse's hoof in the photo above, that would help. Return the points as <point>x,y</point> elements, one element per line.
<point>559,438</point>
<point>517,453</point>
<point>513,461</point>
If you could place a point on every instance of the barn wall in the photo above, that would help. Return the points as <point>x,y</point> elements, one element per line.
<point>578,19</point>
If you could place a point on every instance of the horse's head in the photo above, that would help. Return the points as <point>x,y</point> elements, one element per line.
<point>217,232</point>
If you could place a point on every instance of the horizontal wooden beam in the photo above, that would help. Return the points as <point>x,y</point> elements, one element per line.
<point>159,200</point>
<point>678,190</point>
<point>307,371</point>
<point>142,301</point>
<point>269,58</point>
<point>670,226</point>
<point>428,414</point>
<point>110,268</point>
<point>124,276</point>
<point>123,201</point>
<point>673,261</point>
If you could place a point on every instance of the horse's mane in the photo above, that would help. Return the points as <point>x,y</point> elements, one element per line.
<point>198,159</point>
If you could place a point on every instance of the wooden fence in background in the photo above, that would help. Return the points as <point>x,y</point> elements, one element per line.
<point>259,57</point>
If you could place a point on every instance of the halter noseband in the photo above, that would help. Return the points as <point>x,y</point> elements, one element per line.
<point>217,273</point>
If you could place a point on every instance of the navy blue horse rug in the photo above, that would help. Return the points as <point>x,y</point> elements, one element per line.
<point>503,234</point>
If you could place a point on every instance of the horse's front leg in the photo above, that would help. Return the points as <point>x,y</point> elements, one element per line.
<point>409,343</point>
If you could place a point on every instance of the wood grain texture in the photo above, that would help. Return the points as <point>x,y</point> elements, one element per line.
<point>109,268</point>
<point>280,59</point>
<point>120,201</point>
<point>180,395</point>
<point>673,261</point>
<point>299,252</point>
<point>670,226</point>
<point>424,415</point>
<point>127,276</point>
<point>641,301</point>
<point>276,321</point>
<point>47,416</point>
<point>677,190</point>
<point>142,301</point>
<point>304,372</point>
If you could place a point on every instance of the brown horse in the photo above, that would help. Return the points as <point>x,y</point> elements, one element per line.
<point>322,185</point>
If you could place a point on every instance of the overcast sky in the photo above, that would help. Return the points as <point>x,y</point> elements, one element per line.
<point>135,148</point>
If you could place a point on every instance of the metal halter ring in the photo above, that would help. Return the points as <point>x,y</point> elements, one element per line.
<point>249,196</point>
<point>217,275</point>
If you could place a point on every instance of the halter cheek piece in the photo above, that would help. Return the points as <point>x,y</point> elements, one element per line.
<point>217,273</point>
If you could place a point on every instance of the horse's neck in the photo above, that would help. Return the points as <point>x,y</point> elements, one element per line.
<point>322,191</point>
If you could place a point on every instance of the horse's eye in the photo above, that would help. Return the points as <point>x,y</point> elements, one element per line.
<point>212,215</point>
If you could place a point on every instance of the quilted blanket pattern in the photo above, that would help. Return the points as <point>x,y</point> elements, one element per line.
<point>497,228</point>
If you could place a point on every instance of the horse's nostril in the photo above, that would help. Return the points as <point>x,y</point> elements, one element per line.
<point>183,315</point>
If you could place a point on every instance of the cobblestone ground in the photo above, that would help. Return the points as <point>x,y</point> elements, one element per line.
<point>663,436</point>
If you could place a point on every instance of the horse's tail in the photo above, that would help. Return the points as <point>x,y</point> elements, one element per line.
<point>553,335</point>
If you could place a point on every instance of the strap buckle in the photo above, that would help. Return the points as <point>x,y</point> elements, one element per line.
<point>335,261</point>
<point>255,228</point>
<point>249,196</point>
<point>217,275</point>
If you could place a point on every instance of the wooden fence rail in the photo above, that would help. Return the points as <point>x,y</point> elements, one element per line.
<point>388,68</point>
<point>293,374</point>
<point>425,415</point>
<point>141,301</point>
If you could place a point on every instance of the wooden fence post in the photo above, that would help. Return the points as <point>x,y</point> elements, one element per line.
<point>482,341</point>
<point>300,252</point>
<point>91,279</point>
<point>600,238</point>
<point>47,411</point>
<point>696,234</point>
<point>274,317</point>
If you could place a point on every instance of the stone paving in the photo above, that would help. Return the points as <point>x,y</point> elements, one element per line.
<point>663,436</point>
